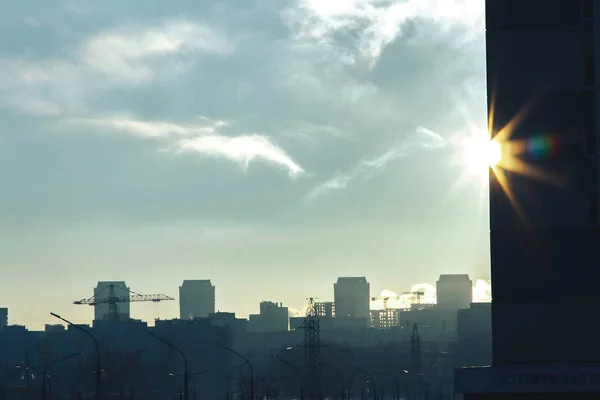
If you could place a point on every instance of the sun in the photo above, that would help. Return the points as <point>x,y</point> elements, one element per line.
<point>480,153</point>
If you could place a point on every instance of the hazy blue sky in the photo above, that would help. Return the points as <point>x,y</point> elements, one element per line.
<point>270,146</point>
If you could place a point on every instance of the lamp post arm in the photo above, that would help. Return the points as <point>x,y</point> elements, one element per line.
<point>249,365</point>
<point>335,371</point>
<point>370,377</point>
<point>183,357</point>
<point>98,365</point>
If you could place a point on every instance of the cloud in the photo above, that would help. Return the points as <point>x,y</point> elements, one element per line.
<point>203,138</point>
<point>314,75</point>
<point>32,105</point>
<point>31,73</point>
<point>369,26</point>
<point>422,138</point>
<point>42,88</point>
<point>297,312</point>
<point>242,149</point>
<point>152,129</point>
<point>482,293</point>
<point>406,299</point>
<point>312,132</point>
<point>127,55</point>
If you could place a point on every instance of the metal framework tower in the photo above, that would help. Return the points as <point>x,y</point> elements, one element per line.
<point>312,345</point>
<point>415,350</point>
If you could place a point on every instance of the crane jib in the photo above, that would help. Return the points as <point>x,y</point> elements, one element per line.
<point>113,300</point>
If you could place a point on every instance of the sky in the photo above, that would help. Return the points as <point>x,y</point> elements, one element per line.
<point>268,146</point>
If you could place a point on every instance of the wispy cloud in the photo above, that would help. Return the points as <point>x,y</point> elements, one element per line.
<point>152,129</point>
<point>374,24</point>
<point>32,105</point>
<point>242,149</point>
<point>127,54</point>
<point>422,138</point>
<point>203,138</point>
<point>314,132</point>
<point>41,88</point>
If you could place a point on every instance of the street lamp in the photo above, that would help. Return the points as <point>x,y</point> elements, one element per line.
<point>45,374</point>
<point>124,368</point>
<point>298,370</point>
<point>274,381</point>
<point>421,379</point>
<point>249,365</point>
<point>192,376</point>
<point>27,375</point>
<point>185,363</point>
<point>370,377</point>
<point>98,365</point>
<point>228,377</point>
<point>335,371</point>
<point>396,382</point>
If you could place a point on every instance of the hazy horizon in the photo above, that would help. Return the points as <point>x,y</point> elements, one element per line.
<point>269,147</point>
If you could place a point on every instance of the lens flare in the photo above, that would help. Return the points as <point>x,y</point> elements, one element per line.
<point>479,153</point>
<point>494,153</point>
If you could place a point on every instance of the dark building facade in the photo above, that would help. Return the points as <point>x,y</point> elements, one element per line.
<point>102,292</point>
<point>474,336</point>
<point>454,291</point>
<point>273,317</point>
<point>3,317</point>
<point>196,299</point>
<point>545,240</point>
<point>352,296</point>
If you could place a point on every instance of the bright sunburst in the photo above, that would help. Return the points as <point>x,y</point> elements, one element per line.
<point>506,154</point>
<point>479,153</point>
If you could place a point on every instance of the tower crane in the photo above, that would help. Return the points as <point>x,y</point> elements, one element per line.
<point>385,300</point>
<point>113,300</point>
<point>417,295</point>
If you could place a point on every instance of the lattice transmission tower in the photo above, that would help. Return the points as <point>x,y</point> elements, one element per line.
<point>415,351</point>
<point>312,346</point>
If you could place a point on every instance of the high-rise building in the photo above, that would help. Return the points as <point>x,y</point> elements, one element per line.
<point>196,299</point>
<point>102,291</point>
<point>3,317</point>
<point>325,309</point>
<point>544,239</point>
<point>454,291</point>
<point>352,297</point>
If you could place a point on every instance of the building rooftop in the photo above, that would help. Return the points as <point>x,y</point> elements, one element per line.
<point>106,283</point>
<point>204,282</point>
<point>347,279</point>
<point>454,277</point>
